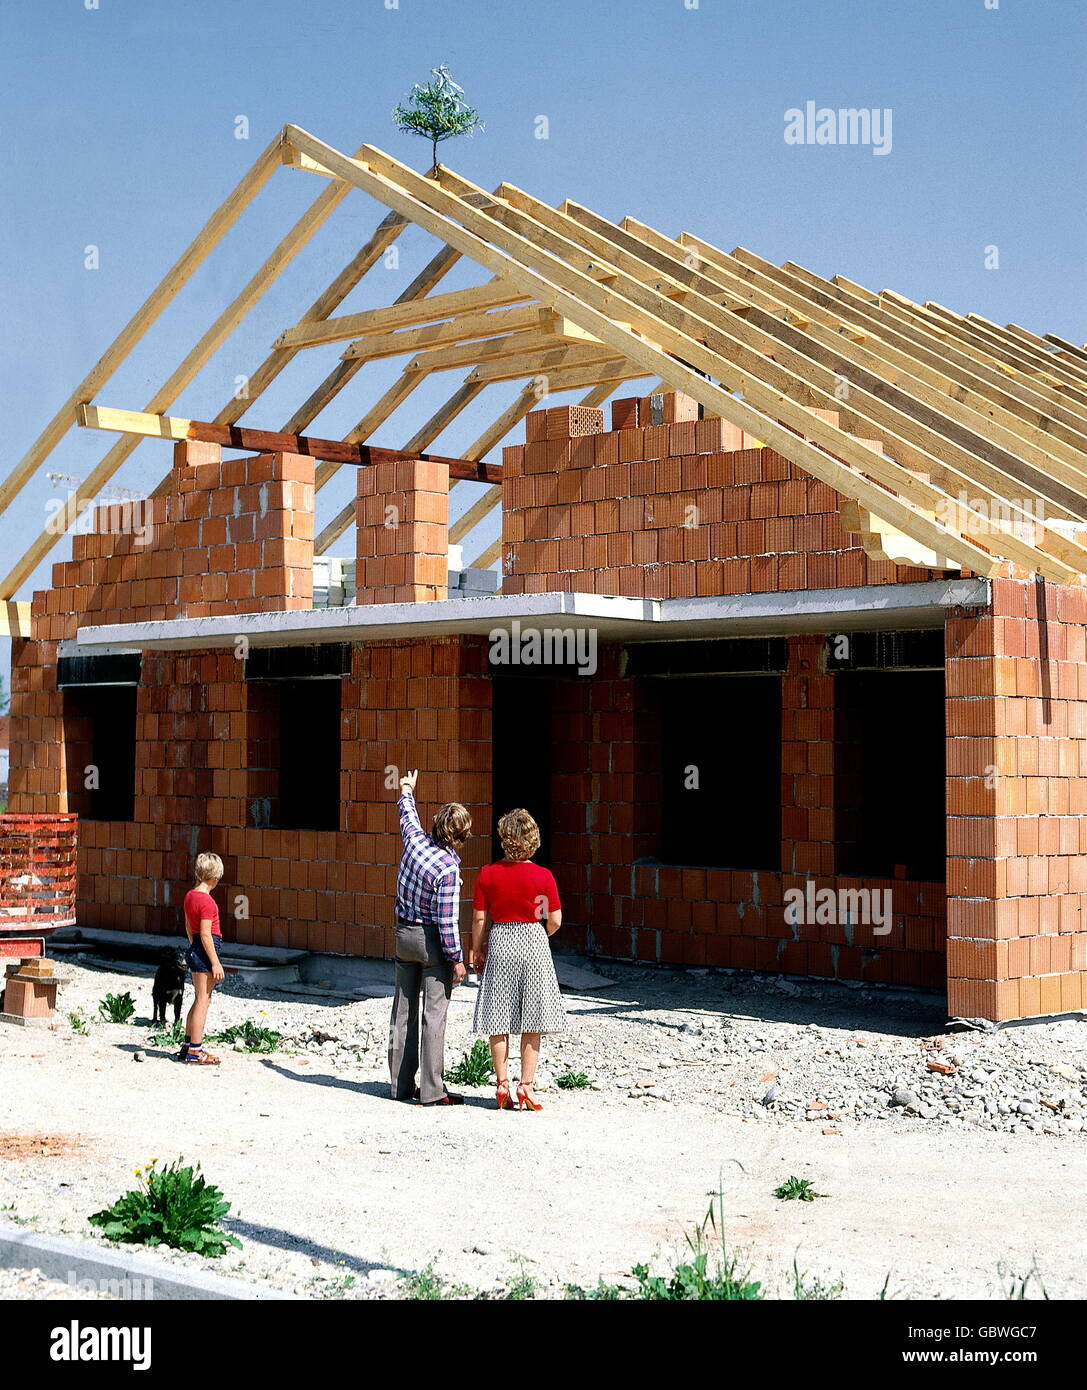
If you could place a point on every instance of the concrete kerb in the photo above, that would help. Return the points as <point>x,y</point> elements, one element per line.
<point>134,1276</point>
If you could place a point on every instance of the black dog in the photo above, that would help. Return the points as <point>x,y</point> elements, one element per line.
<point>169,986</point>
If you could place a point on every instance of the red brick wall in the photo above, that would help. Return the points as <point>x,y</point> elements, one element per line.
<point>589,510</point>
<point>675,510</point>
<point>606,815</point>
<point>411,704</point>
<point>237,537</point>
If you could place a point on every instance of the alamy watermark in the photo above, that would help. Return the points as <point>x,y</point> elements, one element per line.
<point>981,516</point>
<point>828,125</point>
<point>546,646</point>
<point>846,907</point>
<point>120,512</point>
<point>73,1342</point>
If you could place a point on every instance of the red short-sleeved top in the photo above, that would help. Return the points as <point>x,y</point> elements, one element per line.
<point>510,892</point>
<point>198,907</point>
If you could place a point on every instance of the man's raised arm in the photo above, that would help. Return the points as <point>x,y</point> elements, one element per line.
<point>410,825</point>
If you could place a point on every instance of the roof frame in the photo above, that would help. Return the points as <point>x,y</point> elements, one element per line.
<point>944,415</point>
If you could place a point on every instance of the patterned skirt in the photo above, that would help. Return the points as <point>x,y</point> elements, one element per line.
<point>519,992</point>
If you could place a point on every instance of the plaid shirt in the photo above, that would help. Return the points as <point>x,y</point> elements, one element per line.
<point>428,881</point>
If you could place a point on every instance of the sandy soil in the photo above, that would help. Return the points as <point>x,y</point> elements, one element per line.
<point>333,1184</point>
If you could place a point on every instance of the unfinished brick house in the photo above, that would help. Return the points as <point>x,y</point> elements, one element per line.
<point>788,654</point>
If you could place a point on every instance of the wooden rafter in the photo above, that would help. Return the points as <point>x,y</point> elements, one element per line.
<point>409,314</point>
<point>958,461</point>
<point>941,393</point>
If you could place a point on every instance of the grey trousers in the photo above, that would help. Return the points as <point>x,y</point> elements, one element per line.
<point>417,1045</point>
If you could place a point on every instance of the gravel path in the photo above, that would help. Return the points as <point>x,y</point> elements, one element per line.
<point>953,1164</point>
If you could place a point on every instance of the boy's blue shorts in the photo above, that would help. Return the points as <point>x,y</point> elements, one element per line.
<point>198,958</point>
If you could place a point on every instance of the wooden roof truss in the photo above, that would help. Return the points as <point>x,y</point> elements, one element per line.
<point>958,443</point>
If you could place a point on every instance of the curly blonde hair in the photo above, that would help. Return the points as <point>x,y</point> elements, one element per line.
<point>520,835</point>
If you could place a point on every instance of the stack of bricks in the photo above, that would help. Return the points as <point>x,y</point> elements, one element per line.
<point>402,532</point>
<point>1017,803</point>
<point>676,509</point>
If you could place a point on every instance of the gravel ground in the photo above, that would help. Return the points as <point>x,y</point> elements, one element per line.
<point>953,1164</point>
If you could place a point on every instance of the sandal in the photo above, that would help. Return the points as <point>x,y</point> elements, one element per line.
<point>201,1059</point>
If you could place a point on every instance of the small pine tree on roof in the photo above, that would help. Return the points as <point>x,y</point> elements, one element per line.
<point>437,111</point>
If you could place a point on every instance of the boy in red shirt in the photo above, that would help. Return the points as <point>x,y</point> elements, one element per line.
<point>205,939</point>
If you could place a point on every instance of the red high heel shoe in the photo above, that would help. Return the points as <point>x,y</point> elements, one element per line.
<point>502,1096</point>
<point>523,1098</point>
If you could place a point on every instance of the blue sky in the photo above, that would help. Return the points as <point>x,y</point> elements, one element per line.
<point>119,126</point>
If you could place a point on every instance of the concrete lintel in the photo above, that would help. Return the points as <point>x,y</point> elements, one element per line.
<point>921,604</point>
<point>848,609</point>
<point>373,622</point>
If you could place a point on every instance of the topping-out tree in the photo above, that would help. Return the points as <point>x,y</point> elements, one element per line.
<point>437,111</point>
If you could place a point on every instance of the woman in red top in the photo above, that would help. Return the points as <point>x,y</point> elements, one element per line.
<point>518,991</point>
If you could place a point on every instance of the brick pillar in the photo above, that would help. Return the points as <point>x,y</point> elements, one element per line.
<point>807,761</point>
<point>1017,804</point>
<point>245,527</point>
<point>402,532</point>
